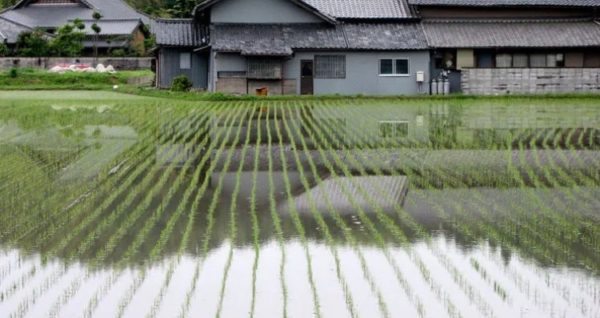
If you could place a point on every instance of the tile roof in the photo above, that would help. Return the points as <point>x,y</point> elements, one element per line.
<point>363,9</point>
<point>9,31</point>
<point>481,3</point>
<point>55,15</point>
<point>514,34</point>
<point>349,9</point>
<point>179,32</point>
<point>112,27</point>
<point>256,39</point>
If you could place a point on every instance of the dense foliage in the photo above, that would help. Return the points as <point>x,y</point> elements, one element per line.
<point>68,41</point>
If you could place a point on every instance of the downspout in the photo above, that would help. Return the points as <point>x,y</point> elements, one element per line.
<point>282,76</point>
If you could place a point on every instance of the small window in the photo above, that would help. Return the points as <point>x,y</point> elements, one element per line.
<point>503,60</point>
<point>185,61</point>
<point>401,66</point>
<point>537,60</point>
<point>386,67</point>
<point>393,129</point>
<point>264,68</point>
<point>394,67</point>
<point>330,66</point>
<point>520,60</point>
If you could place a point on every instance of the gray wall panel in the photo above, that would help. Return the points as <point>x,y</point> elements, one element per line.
<point>260,11</point>
<point>362,74</point>
<point>169,68</point>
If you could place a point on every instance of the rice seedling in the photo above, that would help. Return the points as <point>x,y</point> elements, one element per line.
<point>162,208</point>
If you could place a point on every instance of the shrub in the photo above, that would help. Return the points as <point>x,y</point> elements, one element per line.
<point>4,51</point>
<point>13,73</point>
<point>181,83</point>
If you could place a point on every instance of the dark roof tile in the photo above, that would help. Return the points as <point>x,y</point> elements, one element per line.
<point>179,32</point>
<point>256,39</point>
<point>520,33</point>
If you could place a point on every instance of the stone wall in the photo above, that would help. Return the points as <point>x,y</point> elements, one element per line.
<point>119,63</point>
<point>502,81</point>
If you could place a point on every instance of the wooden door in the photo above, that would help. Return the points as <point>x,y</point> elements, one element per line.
<point>306,77</point>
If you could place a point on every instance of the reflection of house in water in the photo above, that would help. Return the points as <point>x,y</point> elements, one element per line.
<point>346,195</point>
<point>70,152</point>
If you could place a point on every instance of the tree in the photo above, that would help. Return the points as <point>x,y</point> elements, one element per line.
<point>181,8</point>
<point>68,40</point>
<point>33,44</point>
<point>97,29</point>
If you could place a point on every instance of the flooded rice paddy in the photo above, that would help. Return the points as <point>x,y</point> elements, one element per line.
<point>140,207</point>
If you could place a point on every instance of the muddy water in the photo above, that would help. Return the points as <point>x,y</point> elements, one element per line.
<point>123,209</point>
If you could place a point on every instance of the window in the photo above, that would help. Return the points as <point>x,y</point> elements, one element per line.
<point>537,60</point>
<point>264,68</point>
<point>386,67</point>
<point>393,129</point>
<point>503,60</point>
<point>520,60</point>
<point>185,60</point>
<point>330,66</point>
<point>397,67</point>
<point>401,66</point>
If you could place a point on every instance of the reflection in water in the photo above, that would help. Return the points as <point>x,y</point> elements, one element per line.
<point>361,210</point>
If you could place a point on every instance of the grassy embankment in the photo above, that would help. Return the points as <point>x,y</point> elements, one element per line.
<point>32,79</point>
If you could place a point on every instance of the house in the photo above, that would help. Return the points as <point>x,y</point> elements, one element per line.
<point>122,26</point>
<point>513,46</point>
<point>296,47</point>
<point>9,31</point>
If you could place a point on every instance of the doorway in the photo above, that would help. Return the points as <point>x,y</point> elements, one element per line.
<point>306,77</point>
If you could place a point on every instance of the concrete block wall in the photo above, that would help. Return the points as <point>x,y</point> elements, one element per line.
<point>501,81</point>
<point>119,63</point>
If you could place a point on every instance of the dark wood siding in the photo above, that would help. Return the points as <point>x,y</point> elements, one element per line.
<point>169,67</point>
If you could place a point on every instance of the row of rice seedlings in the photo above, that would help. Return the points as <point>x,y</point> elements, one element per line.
<point>463,230</point>
<point>43,215</point>
<point>166,282</point>
<point>569,222</point>
<point>78,121</point>
<point>125,300</point>
<point>399,276</point>
<point>30,277</point>
<point>133,248</point>
<point>381,216</point>
<point>398,232</point>
<point>233,206</point>
<point>27,302</point>
<point>92,304</point>
<point>253,213</point>
<point>210,219</point>
<point>546,224</point>
<point>317,214</point>
<point>131,187</point>
<point>275,214</point>
<point>48,219</point>
<point>297,222</point>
